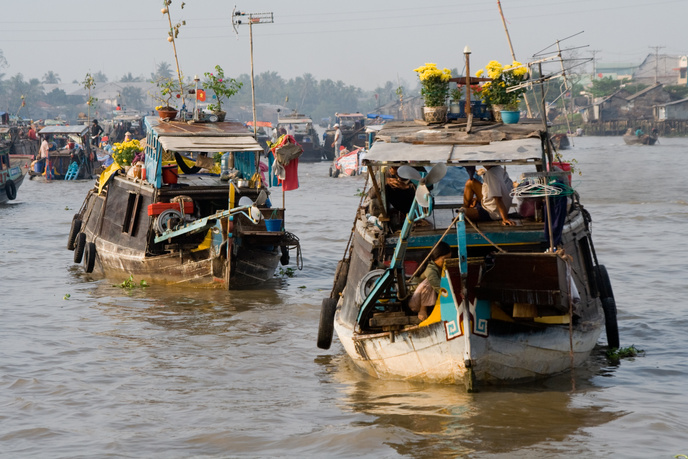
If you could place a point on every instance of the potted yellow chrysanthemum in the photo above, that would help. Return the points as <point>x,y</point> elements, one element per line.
<point>434,87</point>
<point>495,93</point>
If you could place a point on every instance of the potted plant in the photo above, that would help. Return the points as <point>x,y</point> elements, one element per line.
<point>166,87</point>
<point>434,87</point>
<point>222,87</point>
<point>496,92</point>
<point>455,96</point>
<point>123,153</point>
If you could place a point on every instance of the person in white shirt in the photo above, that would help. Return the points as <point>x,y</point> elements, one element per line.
<point>493,196</point>
<point>337,140</point>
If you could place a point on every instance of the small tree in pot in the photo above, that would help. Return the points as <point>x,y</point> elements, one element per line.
<point>223,88</point>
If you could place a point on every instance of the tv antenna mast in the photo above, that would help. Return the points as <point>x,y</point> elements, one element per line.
<point>252,18</point>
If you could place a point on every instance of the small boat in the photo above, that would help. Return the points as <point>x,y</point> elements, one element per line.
<point>73,157</point>
<point>173,220</point>
<point>645,139</point>
<point>560,141</point>
<point>301,128</point>
<point>353,127</point>
<point>348,164</point>
<point>11,175</point>
<point>512,306</point>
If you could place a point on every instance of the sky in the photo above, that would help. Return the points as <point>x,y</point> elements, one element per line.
<point>364,43</point>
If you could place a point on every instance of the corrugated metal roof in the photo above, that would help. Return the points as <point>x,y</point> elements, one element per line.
<point>520,151</point>
<point>79,129</point>
<point>209,144</point>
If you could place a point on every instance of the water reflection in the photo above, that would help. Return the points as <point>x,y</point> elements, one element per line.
<point>444,420</point>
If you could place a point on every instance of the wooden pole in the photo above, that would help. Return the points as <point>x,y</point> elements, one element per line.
<point>253,89</point>
<point>513,55</point>
<point>176,59</point>
<point>469,114</point>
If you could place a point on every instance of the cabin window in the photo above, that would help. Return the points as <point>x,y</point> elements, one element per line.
<point>131,215</point>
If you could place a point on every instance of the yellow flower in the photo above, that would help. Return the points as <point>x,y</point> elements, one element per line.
<point>479,73</point>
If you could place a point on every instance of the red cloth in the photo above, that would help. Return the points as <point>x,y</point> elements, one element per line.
<point>200,95</point>
<point>291,175</point>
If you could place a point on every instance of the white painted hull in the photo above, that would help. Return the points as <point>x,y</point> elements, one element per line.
<point>425,353</point>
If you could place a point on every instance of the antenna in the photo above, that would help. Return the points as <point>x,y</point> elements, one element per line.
<point>253,18</point>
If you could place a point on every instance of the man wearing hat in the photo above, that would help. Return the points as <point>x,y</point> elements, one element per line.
<point>337,140</point>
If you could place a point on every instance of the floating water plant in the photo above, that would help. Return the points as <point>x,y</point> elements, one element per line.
<point>615,355</point>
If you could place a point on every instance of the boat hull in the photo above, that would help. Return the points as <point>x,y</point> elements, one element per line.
<point>642,140</point>
<point>429,354</point>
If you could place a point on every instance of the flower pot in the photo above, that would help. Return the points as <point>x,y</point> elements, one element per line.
<point>455,107</point>
<point>435,114</point>
<point>510,116</point>
<point>497,112</point>
<point>167,114</point>
<point>220,114</point>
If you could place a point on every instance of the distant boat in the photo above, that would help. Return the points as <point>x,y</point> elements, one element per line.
<point>11,176</point>
<point>561,141</point>
<point>646,139</point>
<point>301,128</point>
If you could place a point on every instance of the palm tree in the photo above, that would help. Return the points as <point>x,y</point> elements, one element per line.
<point>129,78</point>
<point>51,78</point>
<point>133,97</point>
<point>100,77</point>
<point>163,71</point>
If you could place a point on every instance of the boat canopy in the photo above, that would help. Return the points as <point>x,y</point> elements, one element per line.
<point>210,144</point>
<point>79,130</point>
<point>523,151</point>
<point>294,120</point>
<point>4,129</point>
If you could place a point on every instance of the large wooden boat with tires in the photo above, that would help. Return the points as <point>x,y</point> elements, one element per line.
<point>172,220</point>
<point>514,304</point>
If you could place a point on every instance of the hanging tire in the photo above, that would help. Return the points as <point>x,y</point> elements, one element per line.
<point>10,190</point>
<point>330,171</point>
<point>326,327</point>
<point>79,247</point>
<point>89,256</point>
<point>340,276</point>
<point>284,259</point>
<point>610,324</point>
<point>604,287</point>
<point>76,227</point>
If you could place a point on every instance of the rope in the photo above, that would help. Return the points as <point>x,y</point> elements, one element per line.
<point>436,244</point>
<point>485,237</point>
<point>291,241</point>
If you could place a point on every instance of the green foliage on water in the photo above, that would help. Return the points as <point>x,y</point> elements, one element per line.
<point>67,296</point>
<point>288,272</point>
<point>359,192</point>
<point>615,355</point>
<point>130,284</point>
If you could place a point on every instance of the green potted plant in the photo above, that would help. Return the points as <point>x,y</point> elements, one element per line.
<point>455,96</point>
<point>222,88</point>
<point>166,88</point>
<point>434,87</point>
<point>495,93</point>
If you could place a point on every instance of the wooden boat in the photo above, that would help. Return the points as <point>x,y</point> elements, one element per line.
<point>353,127</point>
<point>22,150</point>
<point>301,128</point>
<point>508,309</point>
<point>11,175</point>
<point>646,139</point>
<point>74,158</point>
<point>190,228</point>
<point>560,141</point>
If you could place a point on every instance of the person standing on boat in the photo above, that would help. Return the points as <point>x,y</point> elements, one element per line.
<point>425,295</point>
<point>337,140</point>
<point>96,131</point>
<point>44,153</point>
<point>493,196</point>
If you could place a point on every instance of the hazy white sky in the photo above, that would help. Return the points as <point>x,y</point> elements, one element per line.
<point>363,43</point>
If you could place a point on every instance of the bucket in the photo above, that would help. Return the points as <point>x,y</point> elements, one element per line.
<point>170,174</point>
<point>274,224</point>
<point>38,167</point>
<point>566,167</point>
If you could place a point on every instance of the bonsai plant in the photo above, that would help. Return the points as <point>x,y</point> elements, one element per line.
<point>223,88</point>
<point>166,93</point>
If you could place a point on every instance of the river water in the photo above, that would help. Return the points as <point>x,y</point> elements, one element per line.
<point>89,369</point>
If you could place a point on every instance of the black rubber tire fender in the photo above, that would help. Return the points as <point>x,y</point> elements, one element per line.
<point>604,287</point>
<point>326,326</point>
<point>73,231</point>
<point>89,256</point>
<point>284,259</point>
<point>79,247</point>
<point>611,326</point>
<point>10,190</point>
